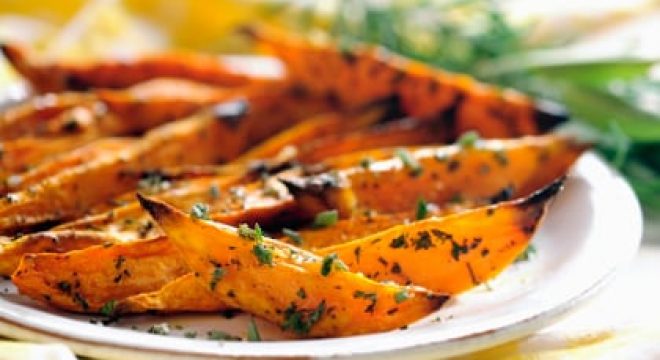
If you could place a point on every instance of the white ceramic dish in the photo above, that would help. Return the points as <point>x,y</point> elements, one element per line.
<point>593,227</point>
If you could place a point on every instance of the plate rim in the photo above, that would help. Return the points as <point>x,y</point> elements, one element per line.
<point>449,347</point>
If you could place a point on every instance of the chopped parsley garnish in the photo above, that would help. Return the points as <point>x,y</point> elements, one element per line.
<point>366,163</point>
<point>326,218</point>
<point>527,254</point>
<point>108,309</point>
<point>263,254</point>
<point>220,335</point>
<point>153,183</point>
<point>293,235</point>
<point>252,331</point>
<point>301,321</point>
<point>159,329</point>
<point>398,242</point>
<point>422,209</point>
<point>409,161</point>
<point>200,211</point>
<point>301,293</point>
<point>246,232</point>
<point>372,297</point>
<point>331,262</point>
<point>214,191</point>
<point>468,139</point>
<point>217,274</point>
<point>190,334</point>
<point>401,296</point>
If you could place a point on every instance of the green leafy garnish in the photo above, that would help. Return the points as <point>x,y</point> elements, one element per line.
<point>326,218</point>
<point>108,309</point>
<point>252,331</point>
<point>422,209</point>
<point>200,211</point>
<point>331,262</point>
<point>527,254</point>
<point>246,232</point>
<point>293,235</point>
<point>468,139</point>
<point>401,296</point>
<point>409,161</point>
<point>301,321</point>
<point>217,274</point>
<point>263,254</point>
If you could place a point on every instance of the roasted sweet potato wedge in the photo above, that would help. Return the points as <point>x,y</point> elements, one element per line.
<point>60,76</point>
<point>59,161</point>
<point>114,112</point>
<point>184,294</point>
<point>85,280</point>
<point>33,117</point>
<point>289,286</point>
<point>71,193</point>
<point>48,242</point>
<point>449,254</point>
<point>485,172</point>
<point>367,74</point>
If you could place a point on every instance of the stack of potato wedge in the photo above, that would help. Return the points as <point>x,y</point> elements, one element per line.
<point>350,194</point>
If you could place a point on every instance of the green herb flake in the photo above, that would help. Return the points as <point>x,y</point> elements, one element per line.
<point>108,309</point>
<point>301,293</point>
<point>214,192</point>
<point>401,296</point>
<point>246,232</point>
<point>326,218</point>
<point>253,331</point>
<point>190,334</point>
<point>159,329</point>
<point>216,276</point>
<point>366,162</point>
<point>301,321</point>
<point>331,262</point>
<point>422,209</point>
<point>409,161</point>
<point>468,139</point>
<point>293,235</point>
<point>200,211</point>
<point>220,335</point>
<point>263,254</point>
<point>527,254</point>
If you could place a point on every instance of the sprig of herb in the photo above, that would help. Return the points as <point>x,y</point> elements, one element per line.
<point>409,161</point>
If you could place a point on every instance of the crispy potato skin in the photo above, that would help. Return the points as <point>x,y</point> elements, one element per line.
<point>449,254</point>
<point>269,290</point>
<point>47,77</point>
<point>84,280</point>
<point>368,74</point>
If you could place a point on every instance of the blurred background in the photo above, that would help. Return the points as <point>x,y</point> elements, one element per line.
<point>600,58</point>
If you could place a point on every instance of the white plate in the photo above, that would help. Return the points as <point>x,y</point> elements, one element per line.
<point>593,228</point>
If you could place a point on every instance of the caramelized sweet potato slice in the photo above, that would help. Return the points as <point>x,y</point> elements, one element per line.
<point>59,161</point>
<point>71,193</point>
<point>47,242</point>
<point>59,76</point>
<point>85,280</point>
<point>286,285</point>
<point>184,294</point>
<point>449,254</point>
<point>34,116</point>
<point>367,74</point>
<point>487,172</point>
